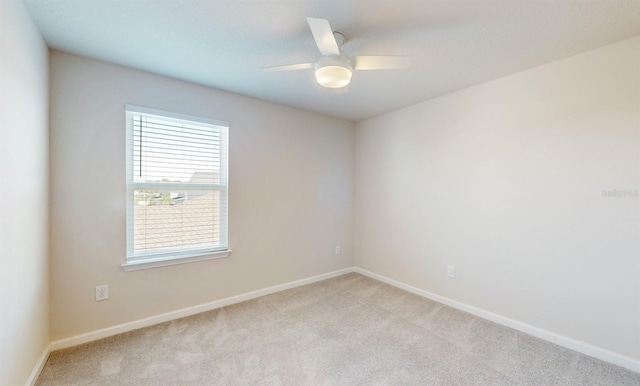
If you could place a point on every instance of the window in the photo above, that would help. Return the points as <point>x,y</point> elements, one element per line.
<point>176,188</point>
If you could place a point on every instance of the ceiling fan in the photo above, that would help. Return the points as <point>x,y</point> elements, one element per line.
<point>334,69</point>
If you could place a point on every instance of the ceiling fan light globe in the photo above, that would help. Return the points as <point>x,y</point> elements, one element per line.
<point>333,76</point>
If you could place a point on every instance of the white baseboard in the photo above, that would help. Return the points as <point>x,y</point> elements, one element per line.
<point>125,327</point>
<point>572,344</point>
<point>35,373</point>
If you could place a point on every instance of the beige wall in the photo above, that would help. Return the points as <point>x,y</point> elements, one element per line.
<point>290,196</point>
<point>24,277</point>
<point>505,181</point>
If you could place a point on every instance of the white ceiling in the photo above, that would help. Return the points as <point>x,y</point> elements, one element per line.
<point>225,43</point>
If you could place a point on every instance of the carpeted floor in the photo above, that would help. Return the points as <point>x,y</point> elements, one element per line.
<point>350,330</point>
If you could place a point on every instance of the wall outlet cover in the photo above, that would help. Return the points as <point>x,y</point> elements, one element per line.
<point>102,292</point>
<point>451,271</point>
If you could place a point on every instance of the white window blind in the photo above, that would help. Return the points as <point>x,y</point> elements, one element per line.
<point>176,185</point>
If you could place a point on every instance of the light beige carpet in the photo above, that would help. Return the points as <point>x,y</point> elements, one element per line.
<point>349,330</point>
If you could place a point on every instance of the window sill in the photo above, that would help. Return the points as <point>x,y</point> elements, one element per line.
<point>166,261</point>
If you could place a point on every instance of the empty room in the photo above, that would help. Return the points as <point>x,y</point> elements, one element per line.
<point>320,192</point>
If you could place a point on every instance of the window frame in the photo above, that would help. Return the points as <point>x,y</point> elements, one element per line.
<point>178,256</point>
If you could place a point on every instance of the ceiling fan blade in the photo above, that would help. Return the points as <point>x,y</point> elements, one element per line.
<point>289,67</point>
<point>380,62</point>
<point>323,36</point>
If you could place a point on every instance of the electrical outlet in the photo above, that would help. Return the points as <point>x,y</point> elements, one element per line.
<point>338,250</point>
<point>451,271</point>
<point>102,292</point>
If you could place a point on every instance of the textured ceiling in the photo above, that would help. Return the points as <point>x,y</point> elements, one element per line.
<point>225,43</point>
